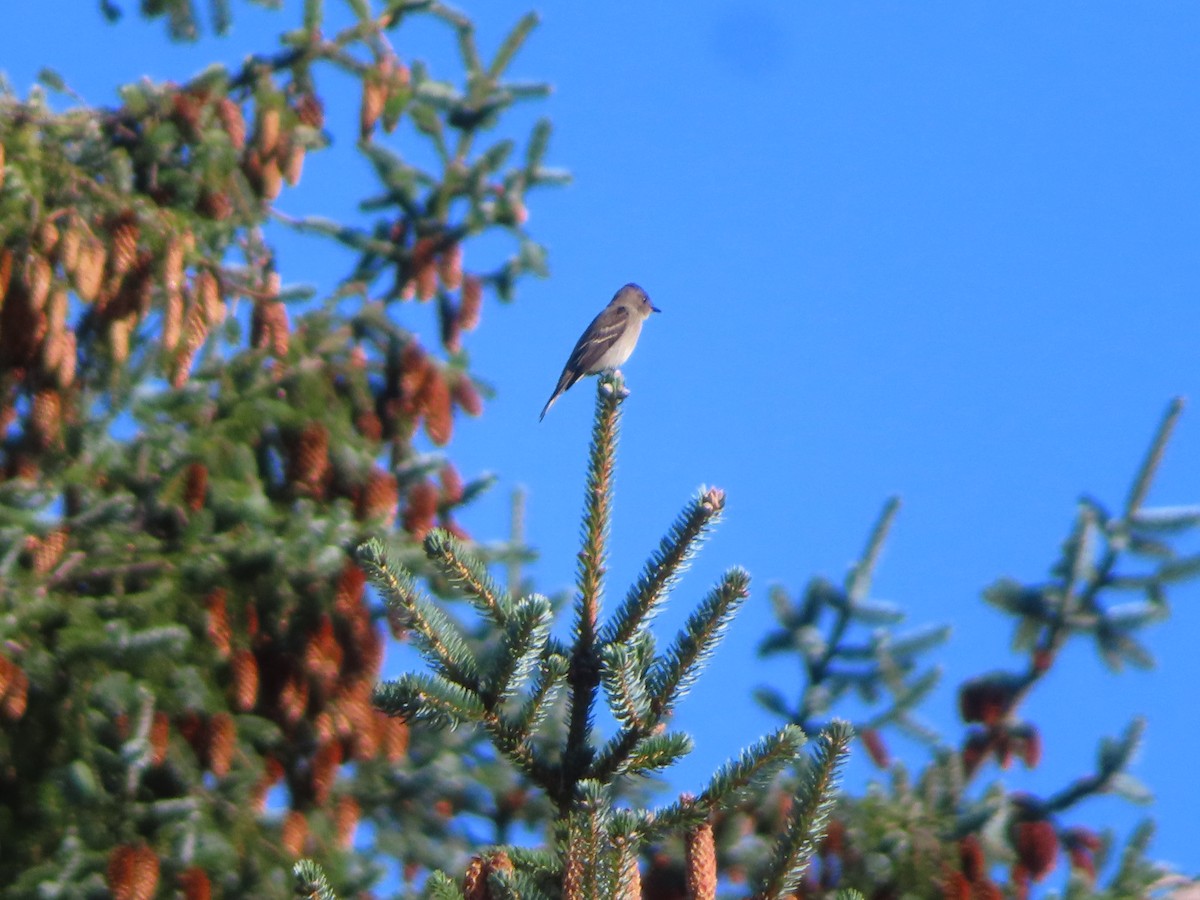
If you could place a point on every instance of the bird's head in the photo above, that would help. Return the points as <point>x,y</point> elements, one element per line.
<point>634,299</point>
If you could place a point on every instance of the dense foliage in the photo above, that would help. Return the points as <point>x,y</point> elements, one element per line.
<point>201,465</point>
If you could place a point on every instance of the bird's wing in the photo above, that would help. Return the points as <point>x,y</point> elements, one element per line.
<point>604,331</point>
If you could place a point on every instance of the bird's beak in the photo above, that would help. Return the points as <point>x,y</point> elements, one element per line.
<point>655,309</point>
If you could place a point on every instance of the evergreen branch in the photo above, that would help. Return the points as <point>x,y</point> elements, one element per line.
<point>537,705</point>
<point>440,886</point>
<point>512,43</point>
<point>540,862</point>
<point>1149,467</point>
<point>521,646</point>
<point>437,638</point>
<point>656,752</point>
<point>625,684</point>
<point>468,575</point>
<point>586,865</point>
<point>674,673</point>
<point>584,675</point>
<point>627,873</point>
<point>806,823</point>
<point>754,766</point>
<point>1132,874</point>
<point>516,539</point>
<point>515,745</point>
<point>858,583</point>
<point>515,885</point>
<point>428,698</point>
<point>697,640</point>
<point>665,565</point>
<point>1079,558</point>
<point>1114,758</point>
<point>311,881</point>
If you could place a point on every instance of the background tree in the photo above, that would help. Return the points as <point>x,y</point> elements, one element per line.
<point>191,448</point>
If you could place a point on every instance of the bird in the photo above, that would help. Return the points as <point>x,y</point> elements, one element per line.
<point>608,341</point>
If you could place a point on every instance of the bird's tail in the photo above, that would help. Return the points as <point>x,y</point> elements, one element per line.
<point>549,403</point>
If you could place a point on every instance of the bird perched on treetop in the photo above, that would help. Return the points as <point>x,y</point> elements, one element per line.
<point>608,341</point>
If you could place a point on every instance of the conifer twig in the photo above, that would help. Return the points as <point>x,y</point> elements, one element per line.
<point>438,639</point>
<point>1149,466</point>
<point>584,675</point>
<point>468,575</point>
<point>665,565</point>
<point>806,823</point>
<point>311,881</point>
<point>672,675</point>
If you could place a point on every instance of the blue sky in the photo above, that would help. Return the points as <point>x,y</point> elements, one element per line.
<point>947,251</point>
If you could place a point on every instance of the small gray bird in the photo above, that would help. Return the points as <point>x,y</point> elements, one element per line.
<point>608,341</point>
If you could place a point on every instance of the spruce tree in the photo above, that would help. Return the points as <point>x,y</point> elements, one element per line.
<point>191,448</point>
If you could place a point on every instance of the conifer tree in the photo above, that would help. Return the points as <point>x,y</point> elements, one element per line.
<point>536,697</point>
<point>190,449</point>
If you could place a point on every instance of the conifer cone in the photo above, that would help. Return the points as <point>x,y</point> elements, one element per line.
<point>346,815</point>
<point>70,240</point>
<point>421,510</point>
<point>6,267</point>
<point>22,327</point>
<point>310,110</point>
<point>291,161</point>
<point>123,238</point>
<point>266,138</point>
<point>426,280</point>
<point>172,325</point>
<point>471,303</point>
<point>219,632</point>
<point>374,97</point>
<point>89,273</point>
<point>394,739</point>
<point>701,855</point>
<point>294,833</point>
<point>466,395</point>
<point>1036,846</point>
<point>629,876</point>
<point>64,374</point>
<point>133,872</point>
<point>309,462</point>
<point>324,769</point>
<point>195,490</point>
<point>172,265</point>
<point>38,276</point>
<point>876,748</point>
<point>379,498</point>
<point>45,418</point>
<point>16,695</point>
<point>323,655</point>
<point>293,698</point>
<point>474,886</point>
<point>230,115</point>
<point>450,266</point>
<point>194,884</point>
<point>222,741</point>
<point>452,484</point>
<point>46,552</point>
<point>8,670</point>
<point>243,670</point>
<point>437,407</point>
<point>160,733</point>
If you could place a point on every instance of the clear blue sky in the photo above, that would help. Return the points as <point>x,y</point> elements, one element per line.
<point>948,250</point>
